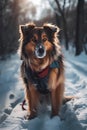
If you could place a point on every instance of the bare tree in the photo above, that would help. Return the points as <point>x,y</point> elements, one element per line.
<point>62,13</point>
<point>79,27</point>
<point>8,26</point>
<point>2,7</point>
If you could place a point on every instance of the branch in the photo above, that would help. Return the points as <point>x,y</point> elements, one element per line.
<point>64,3</point>
<point>54,9</point>
<point>60,10</point>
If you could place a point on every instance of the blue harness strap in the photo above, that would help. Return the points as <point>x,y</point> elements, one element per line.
<point>55,64</point>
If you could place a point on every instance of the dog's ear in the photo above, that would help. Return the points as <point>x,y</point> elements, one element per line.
<point>24,29</point>
<point>52,28</point>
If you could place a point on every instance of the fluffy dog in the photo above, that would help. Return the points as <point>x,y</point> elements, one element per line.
<point>42,69</point>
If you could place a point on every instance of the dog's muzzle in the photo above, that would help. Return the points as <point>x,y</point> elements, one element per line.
<point>40,51</point>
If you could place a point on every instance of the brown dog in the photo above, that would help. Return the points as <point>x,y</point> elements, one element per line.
<point>42,69</point>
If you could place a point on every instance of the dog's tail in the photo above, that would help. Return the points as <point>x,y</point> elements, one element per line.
<point>68,98</point>
<point>22,105</point>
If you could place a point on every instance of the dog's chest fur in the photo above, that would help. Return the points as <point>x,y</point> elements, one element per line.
<point>40,80</point>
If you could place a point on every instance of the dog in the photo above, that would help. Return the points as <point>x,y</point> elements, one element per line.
<point>42,69</point>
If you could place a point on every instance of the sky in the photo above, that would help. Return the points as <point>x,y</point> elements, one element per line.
<point>40,6</point>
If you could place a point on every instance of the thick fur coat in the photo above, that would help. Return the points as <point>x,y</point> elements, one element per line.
<point>39,51</point>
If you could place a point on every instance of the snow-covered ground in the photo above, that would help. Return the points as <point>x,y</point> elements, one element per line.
<point>73,113</point>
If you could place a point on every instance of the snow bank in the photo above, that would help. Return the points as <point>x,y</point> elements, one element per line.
<point>17,121</point>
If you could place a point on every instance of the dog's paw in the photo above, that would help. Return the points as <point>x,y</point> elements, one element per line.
<point>54,114</point>
<point>30,116</point>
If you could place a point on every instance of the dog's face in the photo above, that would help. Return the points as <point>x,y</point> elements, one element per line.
<point>38,42</point>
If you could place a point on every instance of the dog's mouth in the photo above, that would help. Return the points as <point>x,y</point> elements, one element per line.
<point>40,51</point>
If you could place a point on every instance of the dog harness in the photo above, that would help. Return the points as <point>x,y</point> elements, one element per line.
<point>40,79</point>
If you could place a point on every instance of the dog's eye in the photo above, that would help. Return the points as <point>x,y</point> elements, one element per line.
<point>44,39</point>
<point>34,39</point>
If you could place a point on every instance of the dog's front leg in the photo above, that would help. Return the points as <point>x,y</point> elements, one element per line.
<point>33,101</point>
<point>56,99</point>
<point>57,91</point>
<point>54,104</point>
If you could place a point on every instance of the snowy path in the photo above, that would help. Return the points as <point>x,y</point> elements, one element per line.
<point>73,114</point>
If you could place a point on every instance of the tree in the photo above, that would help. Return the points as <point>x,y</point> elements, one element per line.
<point>8,26</point>
<point>2,7</point>
<point>79,27</point>
<point>61,11</point>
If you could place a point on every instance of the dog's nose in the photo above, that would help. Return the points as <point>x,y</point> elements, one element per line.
<point>40,51</point>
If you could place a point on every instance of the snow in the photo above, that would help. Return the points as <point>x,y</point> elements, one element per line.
<point>73,115</point>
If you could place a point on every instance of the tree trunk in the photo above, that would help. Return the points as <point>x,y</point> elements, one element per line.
<point>79,27</point>
<point>1,27</point>
<point>65,33</point>
<point>64,24</point>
